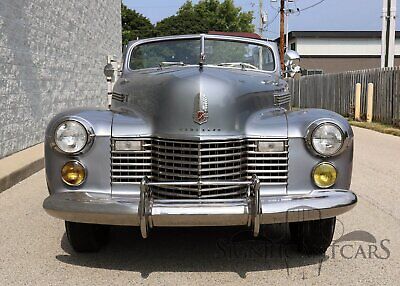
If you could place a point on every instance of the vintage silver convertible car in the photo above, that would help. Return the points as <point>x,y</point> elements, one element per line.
<point>199,133</point>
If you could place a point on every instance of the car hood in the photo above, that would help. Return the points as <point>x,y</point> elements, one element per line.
<point>165,103</point>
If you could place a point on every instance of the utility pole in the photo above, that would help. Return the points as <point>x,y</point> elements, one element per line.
<point>282,35</point>
<point>261,27</point>
<point>388,33</point>
<point>287,28</point>
<point>263,18</point>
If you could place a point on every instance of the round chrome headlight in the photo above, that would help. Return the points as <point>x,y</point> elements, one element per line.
<point>327,139</point>
<point>71,136</point>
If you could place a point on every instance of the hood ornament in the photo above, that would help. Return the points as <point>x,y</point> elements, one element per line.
<point>200,114</point>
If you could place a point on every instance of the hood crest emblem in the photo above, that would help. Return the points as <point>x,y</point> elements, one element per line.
<point>200,114</point>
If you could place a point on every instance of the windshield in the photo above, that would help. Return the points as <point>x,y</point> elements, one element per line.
<point>151,55</point>
<point>218,52</point>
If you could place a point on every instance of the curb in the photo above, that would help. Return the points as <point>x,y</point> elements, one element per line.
<point>21,165</point>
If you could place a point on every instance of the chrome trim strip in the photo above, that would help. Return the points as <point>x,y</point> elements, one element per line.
<point>265,153</point>
<point>281,99</point>
<point>119,97</point>
<point>202,149</point>
<point>212,139</point>
<point>203,196</point>
<point>266,165</point>
<point>127,157</point>
<point>138,183</point>
<point>128,171</point>
<point>200,183</point>
<point>133,164</point>
<point>272,178</point>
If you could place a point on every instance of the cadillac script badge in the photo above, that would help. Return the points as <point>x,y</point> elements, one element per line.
<point>200,114</point>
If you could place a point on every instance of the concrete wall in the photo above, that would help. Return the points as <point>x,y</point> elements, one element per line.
<point>52,55</point>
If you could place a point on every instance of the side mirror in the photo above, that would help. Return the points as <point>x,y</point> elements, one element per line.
<point>292,67</point>
<point>109,70</point>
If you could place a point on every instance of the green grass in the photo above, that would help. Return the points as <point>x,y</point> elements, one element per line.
<point>379,127</point>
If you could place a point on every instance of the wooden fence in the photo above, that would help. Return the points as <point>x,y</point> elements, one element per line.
<point>336,92</point>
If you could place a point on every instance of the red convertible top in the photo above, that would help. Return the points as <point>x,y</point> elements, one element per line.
<point>236,34</point>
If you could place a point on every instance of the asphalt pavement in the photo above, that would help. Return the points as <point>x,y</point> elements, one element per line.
<point>34,249</point>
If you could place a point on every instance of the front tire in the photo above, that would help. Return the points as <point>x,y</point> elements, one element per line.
<point>313,237</point>
<point>84,237</point>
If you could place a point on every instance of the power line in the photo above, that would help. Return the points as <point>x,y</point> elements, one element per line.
<point>273,19</point>
<point>313,5</point>
<point>296,11</point>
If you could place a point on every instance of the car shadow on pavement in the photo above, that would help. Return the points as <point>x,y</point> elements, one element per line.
<point>219,249</point>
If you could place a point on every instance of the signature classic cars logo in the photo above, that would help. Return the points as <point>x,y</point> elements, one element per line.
<point>200,114</point>
<point>276,249</point>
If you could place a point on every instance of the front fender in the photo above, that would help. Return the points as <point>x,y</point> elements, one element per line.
<point>302,160</point>
<point>96,159</point>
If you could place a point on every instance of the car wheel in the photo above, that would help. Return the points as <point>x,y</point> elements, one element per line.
<point>313,237</point>
<point>84,237</point>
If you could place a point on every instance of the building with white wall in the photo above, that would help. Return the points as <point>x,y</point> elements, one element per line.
<point>337,51</point>
<point>52,55</point>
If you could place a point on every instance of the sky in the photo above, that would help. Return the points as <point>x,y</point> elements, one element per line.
<point>330,15</point>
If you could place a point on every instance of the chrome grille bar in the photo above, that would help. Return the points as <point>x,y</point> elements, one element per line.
<point>118,97</point>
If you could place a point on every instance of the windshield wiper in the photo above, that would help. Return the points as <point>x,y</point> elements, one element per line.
<point>242,65</point>
<point>168,64</point>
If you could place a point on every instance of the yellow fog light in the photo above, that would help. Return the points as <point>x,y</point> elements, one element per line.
<point>324,175</point>
<point>73,173</point>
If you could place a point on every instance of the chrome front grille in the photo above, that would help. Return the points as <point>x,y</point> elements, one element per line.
<point>282,99</point>
<point>166,160</point>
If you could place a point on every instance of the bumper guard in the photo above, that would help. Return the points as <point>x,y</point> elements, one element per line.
<point>146,202</point>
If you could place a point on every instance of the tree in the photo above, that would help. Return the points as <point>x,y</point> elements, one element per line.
<point>207,15</point>
<point>134,25</point>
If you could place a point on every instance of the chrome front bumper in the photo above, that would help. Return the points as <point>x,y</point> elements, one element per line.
<point>147,212</point>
